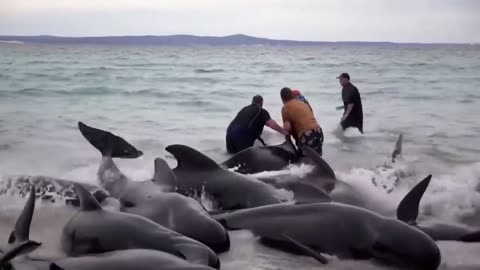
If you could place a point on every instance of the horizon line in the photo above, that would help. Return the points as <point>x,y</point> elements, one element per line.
<point>238,35</point>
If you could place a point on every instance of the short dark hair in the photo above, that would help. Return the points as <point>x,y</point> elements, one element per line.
<point>257,100</point>
<point>286,94</point>
<point>345,76</point>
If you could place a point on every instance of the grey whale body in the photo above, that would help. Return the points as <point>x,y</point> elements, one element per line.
<point>342,230</point>
<point>155,198</point>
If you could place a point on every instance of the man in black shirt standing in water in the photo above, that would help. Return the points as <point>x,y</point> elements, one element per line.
<point>248,126</point>
<point>352,104</point>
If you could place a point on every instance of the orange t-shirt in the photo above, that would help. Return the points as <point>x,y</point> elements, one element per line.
<point>300,116</point>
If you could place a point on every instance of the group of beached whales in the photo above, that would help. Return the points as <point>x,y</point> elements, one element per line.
<point>158,223</point>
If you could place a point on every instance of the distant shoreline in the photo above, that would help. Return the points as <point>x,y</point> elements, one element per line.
<point>189,40</point>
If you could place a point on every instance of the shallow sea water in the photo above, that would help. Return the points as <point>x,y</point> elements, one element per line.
<point>156,96</point>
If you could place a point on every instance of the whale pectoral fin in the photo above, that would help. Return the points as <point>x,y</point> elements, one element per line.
<point>87,201</point>
<point>22,248</point>
<point>307,250</point>
<point>473,237</point>
<point>54,266</point>
<point>305,193</point>
<point>269,180</point>
<point>408,208</point>
<point>110,145</point>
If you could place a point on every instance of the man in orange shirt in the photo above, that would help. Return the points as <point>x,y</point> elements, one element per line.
<point>298,118</point>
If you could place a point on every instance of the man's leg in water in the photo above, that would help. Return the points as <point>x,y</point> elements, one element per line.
<point>243,142</point>
<point>230,146</point>
<point>238,140</point>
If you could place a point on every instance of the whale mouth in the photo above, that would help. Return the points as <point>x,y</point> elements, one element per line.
<point>223,246</point>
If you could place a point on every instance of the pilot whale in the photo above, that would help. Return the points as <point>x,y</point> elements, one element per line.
<point>17,257</point>
<point>95,230</point>
<point>197,173</point>
<point>156,198</point>
<point>138,259</point>
<point>321,176</point>
<point>338,229</point>
<point>408,211</point>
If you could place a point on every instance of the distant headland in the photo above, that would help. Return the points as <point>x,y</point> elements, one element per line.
<point>189,40</point>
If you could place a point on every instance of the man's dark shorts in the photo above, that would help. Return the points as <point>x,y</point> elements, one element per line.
<point>313,139</point>
<point>351,122</point>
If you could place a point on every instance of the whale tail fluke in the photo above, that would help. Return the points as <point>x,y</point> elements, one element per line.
<point>110,145</point>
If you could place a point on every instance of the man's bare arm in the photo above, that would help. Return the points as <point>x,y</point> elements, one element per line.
<point>273,125</point>
<point>287,126</point>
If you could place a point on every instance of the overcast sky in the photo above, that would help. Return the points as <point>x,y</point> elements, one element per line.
<point>319,20</point>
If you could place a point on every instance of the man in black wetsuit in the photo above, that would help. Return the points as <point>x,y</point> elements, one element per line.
<point>248,126</point>
<point>352,104</point>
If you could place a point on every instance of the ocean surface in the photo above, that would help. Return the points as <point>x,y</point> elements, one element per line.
<point>156,96</point>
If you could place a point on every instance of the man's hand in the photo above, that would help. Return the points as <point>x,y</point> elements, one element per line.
<point>347,113</point>
<point>273,125</point>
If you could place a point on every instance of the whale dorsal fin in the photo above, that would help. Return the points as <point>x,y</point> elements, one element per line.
<point>110,145</point>
<point>408,208</point>
<point>306,193</point>
<point>54,266</point>
<point>189,158</point>
<point>398,148</point>
<point>163,175</point>
<point>22,248</point>
<point>87,201</point>
<point>21,232</point>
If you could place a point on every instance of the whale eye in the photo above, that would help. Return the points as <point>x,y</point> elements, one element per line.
<point>127,204</point>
